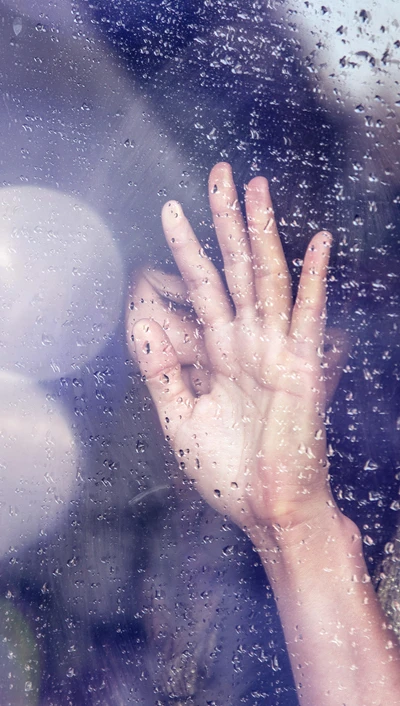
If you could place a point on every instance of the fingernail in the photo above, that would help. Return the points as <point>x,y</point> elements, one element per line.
<point>156,278</point>
<point>168,285</point>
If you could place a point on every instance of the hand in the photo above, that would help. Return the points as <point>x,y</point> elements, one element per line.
<point>254,443</point>
<point>163,297</point>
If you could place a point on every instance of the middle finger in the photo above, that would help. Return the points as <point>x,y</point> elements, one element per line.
<point>205,287</point>
<point>271,274</point>
<point>232,237</point>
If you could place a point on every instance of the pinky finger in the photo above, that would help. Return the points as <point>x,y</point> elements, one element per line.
<point>308,317</point>
<point>160,367</point>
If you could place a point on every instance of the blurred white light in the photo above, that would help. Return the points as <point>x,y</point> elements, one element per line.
<point>61,282</point>
<point>38,462</point>
<point>353,49</point>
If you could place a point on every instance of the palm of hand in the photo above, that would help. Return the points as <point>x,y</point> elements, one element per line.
<point>255,443</point>
<point>246,444</point>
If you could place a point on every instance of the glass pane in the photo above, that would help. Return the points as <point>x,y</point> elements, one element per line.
<point>119,583</point>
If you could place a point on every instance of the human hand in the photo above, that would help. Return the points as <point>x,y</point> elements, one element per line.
<point>253,440</point>
<point>163,297</point>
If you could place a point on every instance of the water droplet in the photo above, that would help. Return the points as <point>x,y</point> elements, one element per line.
<point>47,340</point>
<point>228,550</point>
<point>275,664</point>
<point>389,548</point>
<point>17,26</point>
<point>140,446</point>
<point>371,465</point>
<point>368,541</point>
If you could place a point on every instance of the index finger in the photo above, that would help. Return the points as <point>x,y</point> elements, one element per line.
<point>205,287</point>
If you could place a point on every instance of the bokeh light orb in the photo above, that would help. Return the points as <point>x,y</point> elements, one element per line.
<point>39,460</point>
<point>61,282</point>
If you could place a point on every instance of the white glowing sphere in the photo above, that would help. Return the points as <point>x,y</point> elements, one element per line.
<point>38,462</point>
<point>353,48</point>
<point>61,282</point>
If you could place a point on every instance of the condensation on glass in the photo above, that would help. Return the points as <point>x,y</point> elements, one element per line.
<point>114,587</point>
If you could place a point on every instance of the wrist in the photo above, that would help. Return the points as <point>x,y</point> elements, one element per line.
<point>321,540</point>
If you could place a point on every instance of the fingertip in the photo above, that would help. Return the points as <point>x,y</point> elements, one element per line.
<point>141,337</point>
<point>258,198</point>
<point>168,285</point>
<point>258,185</point>
<point>324,237</point>
<point>221,168</point>
<point>319,247</point>
<point>220,176</point>
<point>171,212</point>
<point>153,348</point>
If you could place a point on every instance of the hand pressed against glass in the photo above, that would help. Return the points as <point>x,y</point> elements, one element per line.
<point>252,434</point>
<point>255,442</point>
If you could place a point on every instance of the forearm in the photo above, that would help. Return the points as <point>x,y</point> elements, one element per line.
<point>341,650</point>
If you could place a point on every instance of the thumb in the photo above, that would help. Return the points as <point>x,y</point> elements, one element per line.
<point>163,297</point>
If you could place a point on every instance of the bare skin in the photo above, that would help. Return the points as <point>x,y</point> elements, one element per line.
<point>251,434</point>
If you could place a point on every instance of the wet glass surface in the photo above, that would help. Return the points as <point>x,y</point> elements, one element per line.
<point>118,584</point>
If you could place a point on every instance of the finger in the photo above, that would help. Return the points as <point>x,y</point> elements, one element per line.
<point>198,379</point>
<point>308,318</point>
<point>153,295</point>
<point>160,366</point>
<point>232,237</point>
<point>337,347</point>
<point>206,290</point>
<point>271,274</point>
<point>168,286</point>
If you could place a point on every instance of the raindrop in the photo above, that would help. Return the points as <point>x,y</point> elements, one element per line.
<point>371,465</point>
<point>140,446</point>
<point>358,221</point>
<point>275,664</point>
<point>389,548</point>
<point>47,340</point>
<point>375,495</point>
<point>368,541</point>
<point>228,550</point>
<point>146,493</point>
<point>17,26</point>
